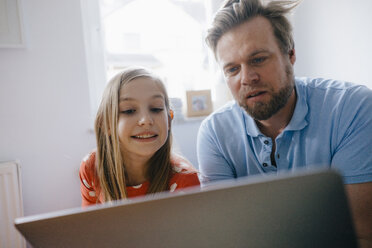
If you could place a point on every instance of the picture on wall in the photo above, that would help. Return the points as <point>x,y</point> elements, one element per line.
<point>199,103</point>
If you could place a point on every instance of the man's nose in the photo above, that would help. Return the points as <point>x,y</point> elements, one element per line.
<point>145,119</point>
<point>248,75</point>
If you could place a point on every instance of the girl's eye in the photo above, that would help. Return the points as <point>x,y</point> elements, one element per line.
<point>156,110</point>
<point>129,111</point>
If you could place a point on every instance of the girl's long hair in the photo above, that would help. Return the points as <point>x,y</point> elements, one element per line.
<point>110,165</point>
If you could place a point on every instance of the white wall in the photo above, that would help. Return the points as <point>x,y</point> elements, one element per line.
<point>44,105</point>
<point>333,39</point>
<point>184,138</point>
<point>44,91</point>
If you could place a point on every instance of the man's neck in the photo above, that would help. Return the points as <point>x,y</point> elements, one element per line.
<point>275,125</point>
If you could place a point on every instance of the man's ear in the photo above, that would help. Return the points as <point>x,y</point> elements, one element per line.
<point>292,56</point>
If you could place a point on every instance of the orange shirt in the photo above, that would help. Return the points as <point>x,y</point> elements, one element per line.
<point>184,175</point>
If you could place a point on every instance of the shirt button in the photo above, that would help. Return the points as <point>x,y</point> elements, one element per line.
<point>264,164</point>
<point>266,142</point>
<point>278,156</point>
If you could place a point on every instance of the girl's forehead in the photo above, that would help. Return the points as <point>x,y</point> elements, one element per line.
<point>141,88</point>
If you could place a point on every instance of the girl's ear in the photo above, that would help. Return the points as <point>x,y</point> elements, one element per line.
<point>171,113</point>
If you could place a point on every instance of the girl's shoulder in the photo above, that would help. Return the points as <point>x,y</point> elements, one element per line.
<point>88,164</point>
<point>89,184</point>
<point>181,164</point>
<point>88,173</point>
<point>184,173</point>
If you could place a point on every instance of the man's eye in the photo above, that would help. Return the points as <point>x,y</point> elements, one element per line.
<point>231,70</point>
<point>128,111</point>
<point>258,60</point>
<point>156,110</point>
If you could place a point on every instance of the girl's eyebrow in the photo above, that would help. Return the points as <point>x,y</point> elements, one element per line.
<point>157,96</point>
<point>122,99</point>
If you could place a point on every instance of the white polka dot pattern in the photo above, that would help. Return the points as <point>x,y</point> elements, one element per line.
<point>173,187</point>
<point>92,193</point>
<point>86,157</point>
<point>86,184</point>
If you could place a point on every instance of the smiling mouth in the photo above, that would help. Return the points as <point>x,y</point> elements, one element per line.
<point>144,136</point>
<point>256,94</point>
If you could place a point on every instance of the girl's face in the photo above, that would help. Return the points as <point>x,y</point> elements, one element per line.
<point>143,118</point>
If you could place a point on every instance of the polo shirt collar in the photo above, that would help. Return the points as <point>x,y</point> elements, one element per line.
<point>298,120</point>
<point>250,125</point>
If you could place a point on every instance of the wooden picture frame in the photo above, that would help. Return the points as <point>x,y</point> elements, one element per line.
<point>199,103</point>
<point>11,27</point>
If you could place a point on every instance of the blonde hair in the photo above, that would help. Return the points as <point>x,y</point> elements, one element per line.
<point>235,12</point>
<point>110,165</point>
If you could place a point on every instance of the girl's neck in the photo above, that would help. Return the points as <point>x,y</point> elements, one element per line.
<point>135,169</point>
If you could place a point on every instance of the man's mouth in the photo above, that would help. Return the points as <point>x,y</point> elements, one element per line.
<point>256,93</point>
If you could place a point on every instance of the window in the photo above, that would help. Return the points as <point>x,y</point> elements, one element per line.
<point>164,35</point>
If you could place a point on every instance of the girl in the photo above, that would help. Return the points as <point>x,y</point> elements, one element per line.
<point>133,134</point>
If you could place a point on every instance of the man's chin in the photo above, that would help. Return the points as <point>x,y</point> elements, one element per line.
<point>259,113</point>
<point>258,116</point>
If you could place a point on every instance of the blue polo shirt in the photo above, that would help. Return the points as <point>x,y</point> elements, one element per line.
<point>331,127</point>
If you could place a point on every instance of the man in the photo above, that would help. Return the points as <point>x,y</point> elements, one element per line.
<point>278,122</point>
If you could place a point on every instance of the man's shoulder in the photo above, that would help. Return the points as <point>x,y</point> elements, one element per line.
<point>223,119</point>
<point>330,90</point>
<point>327,101</point>
<point>321,84</point>
<point>231,110</point>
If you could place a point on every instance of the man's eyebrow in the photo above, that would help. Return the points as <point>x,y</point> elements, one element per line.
<point>254,53</point>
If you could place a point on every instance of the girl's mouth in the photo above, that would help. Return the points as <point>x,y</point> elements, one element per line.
<point>144,136</point>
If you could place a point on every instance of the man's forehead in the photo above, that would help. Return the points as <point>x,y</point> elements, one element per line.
<point>251,36</point>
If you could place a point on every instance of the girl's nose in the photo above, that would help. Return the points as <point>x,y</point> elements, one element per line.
<point>145,119</point>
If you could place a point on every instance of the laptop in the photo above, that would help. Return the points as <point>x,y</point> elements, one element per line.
<point>307,209</point>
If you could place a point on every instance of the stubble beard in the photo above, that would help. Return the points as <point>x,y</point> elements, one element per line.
<point>262,110</point>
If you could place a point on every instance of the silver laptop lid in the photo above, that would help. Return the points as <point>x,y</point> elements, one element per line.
<point>298,210</point>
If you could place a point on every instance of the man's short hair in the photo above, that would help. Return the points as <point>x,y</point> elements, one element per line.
<point>235,12</point>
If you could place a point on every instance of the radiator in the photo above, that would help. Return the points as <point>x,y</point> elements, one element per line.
<point>10,205</point>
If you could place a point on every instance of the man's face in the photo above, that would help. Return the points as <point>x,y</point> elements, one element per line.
<point>258,74</point>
